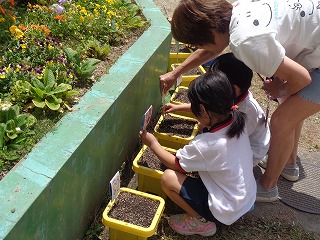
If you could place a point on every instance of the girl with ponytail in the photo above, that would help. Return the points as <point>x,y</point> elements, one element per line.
<point>225,189</point>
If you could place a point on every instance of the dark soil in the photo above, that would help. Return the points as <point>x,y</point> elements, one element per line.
<point>135,209</point>
<point>182,96</point>
<point>194,71</point>
<point>150,160</point>
<point>176,126</point>
<point>182,48</point>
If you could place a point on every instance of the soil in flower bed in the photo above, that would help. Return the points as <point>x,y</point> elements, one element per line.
<point>182,96</point>
<point>150,160</point>
<point>176,126</point>
<point>182,48</point>
<point>194,71</point>
<point>135,209</point>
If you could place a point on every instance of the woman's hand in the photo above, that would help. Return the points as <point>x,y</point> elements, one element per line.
<point>275,88</point>
<point>147,138</point>
<point>167,81</point>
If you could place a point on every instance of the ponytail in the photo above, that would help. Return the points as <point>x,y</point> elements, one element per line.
<point>238,124</point>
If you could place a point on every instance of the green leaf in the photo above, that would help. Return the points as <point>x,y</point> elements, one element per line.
<point>72,55</point>
<point>2,132</point>
<point>63,87</point>
<point>37,84</point>
<point>25,120</point>
<point>10,126</point>
<point>52,104</point>
<point>12,113</point>
<point>39,93</point>
<point>71,93</point>
<point>38,103</point>
<point>49,79</point>
<point>12,135</point>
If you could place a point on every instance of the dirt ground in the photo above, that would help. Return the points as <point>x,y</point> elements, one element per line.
<point>308,151</point>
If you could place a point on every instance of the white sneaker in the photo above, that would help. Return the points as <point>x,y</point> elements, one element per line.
<point>289,172</point>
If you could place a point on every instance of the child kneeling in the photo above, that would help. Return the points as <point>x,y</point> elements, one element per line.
<point>225,189</point>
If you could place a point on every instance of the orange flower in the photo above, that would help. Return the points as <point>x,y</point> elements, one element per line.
<point>11,2</point>
<point>41,28</point>
<point>60,17</point>
<point>2,10</point>
<point>45,29</point>
<point>21,27</point>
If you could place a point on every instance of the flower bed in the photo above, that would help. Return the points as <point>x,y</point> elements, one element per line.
<point>55,190</point>
<point>49,54</point>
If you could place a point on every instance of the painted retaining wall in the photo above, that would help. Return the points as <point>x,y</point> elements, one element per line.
<point>53,193</point>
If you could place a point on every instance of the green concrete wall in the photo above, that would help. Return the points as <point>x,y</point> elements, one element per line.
<point>53,193</point>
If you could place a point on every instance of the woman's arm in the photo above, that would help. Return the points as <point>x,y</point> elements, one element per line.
<point>195,59</point>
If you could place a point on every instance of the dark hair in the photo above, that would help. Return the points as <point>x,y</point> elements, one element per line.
<point>237,72</point>
<point>195,21</point>
<point>214,91</point>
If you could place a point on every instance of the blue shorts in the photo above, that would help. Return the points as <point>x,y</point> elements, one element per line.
<point>195,194</point>
<point>311,93</point>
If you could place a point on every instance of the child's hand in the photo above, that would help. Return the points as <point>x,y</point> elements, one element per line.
<point>147,138</point>
<point>169,108</point>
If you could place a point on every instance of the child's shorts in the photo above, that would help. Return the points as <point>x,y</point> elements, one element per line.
<point>311,93</point>
<point>195,194</point>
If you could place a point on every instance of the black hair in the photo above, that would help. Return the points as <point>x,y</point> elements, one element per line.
<point>237,72</point>
<point>214,91</point>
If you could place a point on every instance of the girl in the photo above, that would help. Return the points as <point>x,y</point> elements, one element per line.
<point>226,187</point>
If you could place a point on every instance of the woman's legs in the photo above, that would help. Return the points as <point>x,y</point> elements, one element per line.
<point>285,124</point>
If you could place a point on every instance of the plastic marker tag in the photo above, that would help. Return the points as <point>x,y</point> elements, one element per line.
<point>179,80</point>
<point>146,118</point>
<point>114,185</point>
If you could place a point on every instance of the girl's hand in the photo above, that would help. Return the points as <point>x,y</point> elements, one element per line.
<point>275,88</point>
<point>147,138</point>
<point>167,81</point>
<point>169,108</point>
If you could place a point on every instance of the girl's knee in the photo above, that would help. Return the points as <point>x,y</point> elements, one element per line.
<point>168,178</point>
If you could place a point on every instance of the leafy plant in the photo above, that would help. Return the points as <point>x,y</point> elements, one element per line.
<point>82,68</point>
<point>47,93</point>
<point>97,50</point>
<point>14,127</point>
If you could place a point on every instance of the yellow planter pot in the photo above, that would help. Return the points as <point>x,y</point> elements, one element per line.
<point>172,100</point>
<point>119,230</point>
<point>149,180</point>
<point>175,58</point>
<point>186,80</point>
<point>174,141</point>
<point>201,69</point>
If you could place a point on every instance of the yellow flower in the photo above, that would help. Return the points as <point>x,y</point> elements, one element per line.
<point>39,77</point>
<point>95,11</point>
<point>15,31</point>
<point>81,19</point>
<point>7,69</point>
<point>2,75</point>
<point>2,20</point>
<point>84,11</point>
<point>111,13</point>
<point>50,47</point>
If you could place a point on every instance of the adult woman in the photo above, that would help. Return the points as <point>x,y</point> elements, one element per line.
<point>283,43</point>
